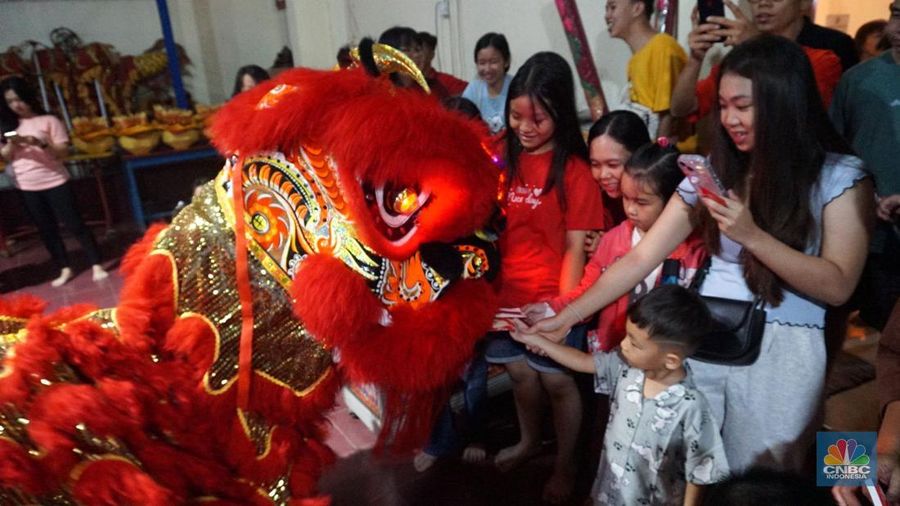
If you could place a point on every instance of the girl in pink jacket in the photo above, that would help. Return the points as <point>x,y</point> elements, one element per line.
<point>650,178</point>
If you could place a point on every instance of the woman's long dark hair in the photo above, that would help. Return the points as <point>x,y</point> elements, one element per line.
<point>547,78</point>
<point>625,127</point>
<point>9,120</point>
<point>258,74</point>
<point>792,134</point>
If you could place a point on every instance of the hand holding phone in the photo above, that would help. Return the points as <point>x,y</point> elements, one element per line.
<point>707,8</point>
<point>700,173</point>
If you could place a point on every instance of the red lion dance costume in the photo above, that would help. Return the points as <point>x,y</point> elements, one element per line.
<point>360,255</point>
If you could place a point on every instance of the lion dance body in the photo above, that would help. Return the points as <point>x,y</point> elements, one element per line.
<point>361,255</point>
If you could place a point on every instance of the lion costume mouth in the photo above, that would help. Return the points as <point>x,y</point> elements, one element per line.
<point>395,210</point>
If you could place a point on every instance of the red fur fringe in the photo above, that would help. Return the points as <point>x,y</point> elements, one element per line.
<point>307,468</point>
<point>325,278</point>
<point>110,482</point>
<point>22,306</point>
<point>147,303</point>
<point>412,359</point>
<point>140,250</point>
<point>19,469</point>
<point>33,360</point>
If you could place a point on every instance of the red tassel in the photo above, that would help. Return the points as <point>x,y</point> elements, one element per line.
<point>242,275</point>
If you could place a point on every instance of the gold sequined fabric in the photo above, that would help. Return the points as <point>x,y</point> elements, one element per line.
<point>105,318</point>
<point>200,245</point>
<point>14,428</point>
<point>277,492</point>
<point>91,447</point>
<point>15,497</point>
<point>12,331</point>
<point>258,430</point>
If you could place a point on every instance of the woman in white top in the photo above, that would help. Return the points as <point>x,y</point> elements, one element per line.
<point>793,231</point>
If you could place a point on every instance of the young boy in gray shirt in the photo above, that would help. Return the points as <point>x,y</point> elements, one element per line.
<point>661,444</point>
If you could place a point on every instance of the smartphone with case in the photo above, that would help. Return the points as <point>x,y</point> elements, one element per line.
<point>701,174</point>
<point>708,8</point>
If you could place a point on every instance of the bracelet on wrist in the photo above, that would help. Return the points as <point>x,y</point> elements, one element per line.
<point>571,308</point>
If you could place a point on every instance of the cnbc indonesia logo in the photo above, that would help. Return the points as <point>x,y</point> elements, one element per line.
<point>846,460</point>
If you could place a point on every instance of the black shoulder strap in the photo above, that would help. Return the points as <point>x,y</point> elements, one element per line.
<point>700,275</point>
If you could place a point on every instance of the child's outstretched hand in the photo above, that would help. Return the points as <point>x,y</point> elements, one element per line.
<point>536,312</point>
<point>531,341</point>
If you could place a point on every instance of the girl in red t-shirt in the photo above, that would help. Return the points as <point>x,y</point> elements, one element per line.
<point>551,204</point>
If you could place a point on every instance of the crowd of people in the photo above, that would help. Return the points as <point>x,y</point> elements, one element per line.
<point>607,248</point>
<point>802,137</point>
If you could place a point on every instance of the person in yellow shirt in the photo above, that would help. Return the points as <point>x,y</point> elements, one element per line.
<point>656,61</point>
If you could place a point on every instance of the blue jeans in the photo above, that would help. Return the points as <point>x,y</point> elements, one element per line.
<point>446,436</point>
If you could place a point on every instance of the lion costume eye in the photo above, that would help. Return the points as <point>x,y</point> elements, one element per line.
<point>406,201</point>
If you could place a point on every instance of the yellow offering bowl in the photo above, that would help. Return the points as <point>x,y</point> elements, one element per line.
<point>180,140</point>
<point>96,146</point>
<point>140,144</point>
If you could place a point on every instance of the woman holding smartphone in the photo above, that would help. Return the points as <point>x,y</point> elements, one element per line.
<point>34,145</point>
<point>793,230</point>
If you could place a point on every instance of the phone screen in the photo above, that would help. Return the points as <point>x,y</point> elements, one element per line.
<point>709,8</point>
<point>700,173</point>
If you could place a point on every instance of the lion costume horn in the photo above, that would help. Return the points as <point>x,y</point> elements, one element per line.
<point>380,59</point>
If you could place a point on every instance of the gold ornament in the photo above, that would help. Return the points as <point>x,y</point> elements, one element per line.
<point>390,60</point>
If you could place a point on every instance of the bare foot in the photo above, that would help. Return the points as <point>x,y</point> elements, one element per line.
<point>98,273</point>
<point>474,454</point>
<point>511,457</point>
<point>64,276</point>
<point>423,461</point>
<point>559,487</point>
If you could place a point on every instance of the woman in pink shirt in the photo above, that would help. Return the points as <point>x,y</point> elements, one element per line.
<point>34,145</point>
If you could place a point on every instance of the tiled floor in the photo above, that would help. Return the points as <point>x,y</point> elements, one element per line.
<point>359,477</point>
<point>28,270</point>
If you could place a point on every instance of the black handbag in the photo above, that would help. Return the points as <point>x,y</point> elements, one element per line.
<point>736,337</point>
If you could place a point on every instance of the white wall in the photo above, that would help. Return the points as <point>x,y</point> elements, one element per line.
<point>529,25</point>
<point>131,25</point>
<point>860,11</point>
<point>222,35</point>
<point>219,36</point>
